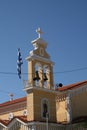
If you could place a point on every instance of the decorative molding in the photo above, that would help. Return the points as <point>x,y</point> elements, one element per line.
<point>10,116</point>
<point>43,59</point>
<point>29,86</point>
<point>25,112</point>
<point>61,97</point>
<point>72,92</point>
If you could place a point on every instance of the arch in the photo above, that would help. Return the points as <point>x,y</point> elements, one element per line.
<point>45,68</point>
<point>44,107</point>
<point>37,66</point>
<point>45,78</point>
<point>36,75</point>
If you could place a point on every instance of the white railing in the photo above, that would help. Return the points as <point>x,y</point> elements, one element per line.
<point>27,84</point>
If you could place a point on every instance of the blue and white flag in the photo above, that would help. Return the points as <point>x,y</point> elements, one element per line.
<point>19,63</point>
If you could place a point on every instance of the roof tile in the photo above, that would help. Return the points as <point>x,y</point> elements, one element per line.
<point>72,86</point>
<point>13,101</point>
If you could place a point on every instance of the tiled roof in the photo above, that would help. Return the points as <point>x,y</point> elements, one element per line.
<point>18,118</point>
<point>13,101</point>
<point>4,122</point>
<point>72,86</point>
<point>21,118</point>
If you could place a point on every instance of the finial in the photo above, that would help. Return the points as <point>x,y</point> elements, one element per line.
<point>39,32</point>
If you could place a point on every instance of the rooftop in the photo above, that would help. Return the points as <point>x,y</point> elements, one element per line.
<point>72,86</point>
<point>13,101</point>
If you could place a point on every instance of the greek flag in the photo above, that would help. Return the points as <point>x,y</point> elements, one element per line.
<point>19,63</point>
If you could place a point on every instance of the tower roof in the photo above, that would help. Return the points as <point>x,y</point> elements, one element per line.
<point>40,41</point>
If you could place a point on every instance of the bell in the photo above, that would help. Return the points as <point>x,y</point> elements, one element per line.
<point>45,77</point>
<point>36,76</point>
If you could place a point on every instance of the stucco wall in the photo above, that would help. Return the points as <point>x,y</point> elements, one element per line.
<point>34,105</point>
<point>79,105</point>
<point>61,111</point>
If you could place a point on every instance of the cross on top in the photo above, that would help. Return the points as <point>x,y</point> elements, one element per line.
<point>39,32</point>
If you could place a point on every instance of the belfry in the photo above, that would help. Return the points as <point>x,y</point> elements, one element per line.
<point>40,67</point>
<point>40,84</point>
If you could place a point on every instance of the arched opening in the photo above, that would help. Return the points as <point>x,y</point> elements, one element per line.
<point>45,76</point>
<point>45,108</point>
<point>36,75</point>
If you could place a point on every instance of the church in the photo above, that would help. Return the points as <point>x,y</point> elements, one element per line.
<point>45,107</point>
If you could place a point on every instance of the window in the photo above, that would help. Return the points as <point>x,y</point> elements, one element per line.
<point>44,108</point>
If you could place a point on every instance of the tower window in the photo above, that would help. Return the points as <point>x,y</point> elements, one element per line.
<point>44,108</point>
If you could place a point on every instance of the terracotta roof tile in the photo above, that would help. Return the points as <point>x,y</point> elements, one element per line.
<point>4,122</point>
<point>22,118</point>
<point>13,101</point>
<point>72,86</point>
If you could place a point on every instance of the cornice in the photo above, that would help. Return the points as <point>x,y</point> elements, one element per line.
<point>30,89</point>
<point>36,57</point>
<point>77,91</point>
<point>73,92</point>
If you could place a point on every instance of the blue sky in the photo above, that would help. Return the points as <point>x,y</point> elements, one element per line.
<point>64,23</point>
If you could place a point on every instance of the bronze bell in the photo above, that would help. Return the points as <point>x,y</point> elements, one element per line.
<point>45,77</point>
<point>36,76</point>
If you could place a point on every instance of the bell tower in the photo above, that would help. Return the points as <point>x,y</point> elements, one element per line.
<point>40,84</point>
<point>40,67</point>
